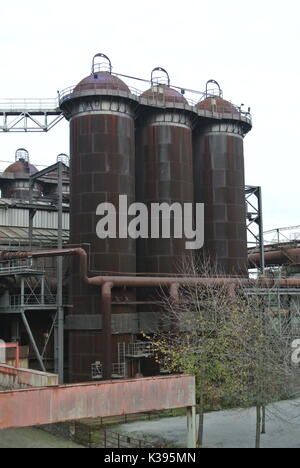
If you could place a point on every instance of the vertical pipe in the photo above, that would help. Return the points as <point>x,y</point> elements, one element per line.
<point>22,292</point>
<point>106,328</point>
<point>191,427</point>
<point>43,290</point>
<point>60,309</point>
<point>31,212</point>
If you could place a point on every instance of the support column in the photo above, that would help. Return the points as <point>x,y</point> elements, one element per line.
<point>191,427</point>
<point>261,232</point>
<point>22,292</point>
<point>43,290</point>
<point>31,212</point>
<point>32,340</point>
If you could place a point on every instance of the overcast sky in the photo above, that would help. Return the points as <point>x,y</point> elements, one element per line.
<point>250,48</point>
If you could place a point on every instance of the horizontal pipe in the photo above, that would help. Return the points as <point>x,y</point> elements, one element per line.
<point>148,281</point>
<point>279,257</point>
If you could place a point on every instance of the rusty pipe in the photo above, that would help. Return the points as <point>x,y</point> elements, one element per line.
<point>147,281</point>
<point>81,253</point>
<point>118,281</point>
<point>275,257</point>
<point>107,331</point>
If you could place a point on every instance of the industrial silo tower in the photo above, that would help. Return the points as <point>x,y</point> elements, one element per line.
<point>102,148</point>
<point>220,180</point>
<point>164,167</point>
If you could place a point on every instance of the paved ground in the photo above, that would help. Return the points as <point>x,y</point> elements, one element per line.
<point>228,429</point>
<point>32,438</point>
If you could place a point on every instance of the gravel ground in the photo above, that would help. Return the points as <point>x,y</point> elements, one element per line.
<point>228,429</point>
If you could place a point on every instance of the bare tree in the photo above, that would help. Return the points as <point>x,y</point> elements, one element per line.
<point>269,350</point>
<point>227,337</point>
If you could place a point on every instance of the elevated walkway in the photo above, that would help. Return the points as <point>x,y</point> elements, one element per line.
<point>29,115</point>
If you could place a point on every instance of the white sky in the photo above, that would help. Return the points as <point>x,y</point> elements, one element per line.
<point>251,48</point>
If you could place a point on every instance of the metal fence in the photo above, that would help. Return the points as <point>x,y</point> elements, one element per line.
<point>99,437</point>
<point>140,348</point>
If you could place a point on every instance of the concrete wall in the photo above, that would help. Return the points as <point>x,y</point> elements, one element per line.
<point>10,377</point>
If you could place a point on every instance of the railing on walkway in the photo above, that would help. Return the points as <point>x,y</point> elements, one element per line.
<point>99,437</point>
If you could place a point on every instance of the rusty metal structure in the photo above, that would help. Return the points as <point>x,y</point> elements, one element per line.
<point>220,181</point>
<point>281,248</point>
<point>17,178</point>
<point>101,114</point>
<point>106,284</point>
<point>140,145</point>
<point>31,407</point>
<point>164,167</point>
<point>151,146</point>
<point>31,299</point>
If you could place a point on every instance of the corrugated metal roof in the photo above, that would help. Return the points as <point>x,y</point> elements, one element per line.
<point>17,233</point>
<point>19,217</point>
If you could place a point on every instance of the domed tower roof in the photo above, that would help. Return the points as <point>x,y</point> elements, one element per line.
<point>22,164</point>
<point>17,187</point>
<point>100,79</point>
<point>163,92</point>
<point>217,104</point>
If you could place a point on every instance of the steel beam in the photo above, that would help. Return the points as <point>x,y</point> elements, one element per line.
<point>32,340</point>
<point>27,121</point>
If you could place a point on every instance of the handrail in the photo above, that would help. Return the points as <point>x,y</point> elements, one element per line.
<point>215,83</point>
<point>285,235</point>
<point>156,80</point>
<point>99,65</point>
<point>52,105</point>
<point>33,104</point>
<point>68,92</point>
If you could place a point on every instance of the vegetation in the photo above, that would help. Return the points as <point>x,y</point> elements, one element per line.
<point>231,342</point>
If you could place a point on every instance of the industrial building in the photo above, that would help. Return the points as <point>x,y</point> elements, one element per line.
<point>83,304</point>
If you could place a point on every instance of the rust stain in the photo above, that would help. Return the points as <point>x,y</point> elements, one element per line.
<point>31,407</point>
